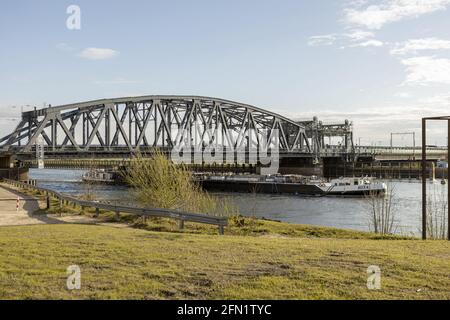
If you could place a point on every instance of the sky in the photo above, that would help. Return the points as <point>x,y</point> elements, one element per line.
<point>382,64</point>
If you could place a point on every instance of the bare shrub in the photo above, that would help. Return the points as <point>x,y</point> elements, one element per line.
<point>382,210</point>
<point>437,208</point>
<point>159,183</point>
<point>89,186</point>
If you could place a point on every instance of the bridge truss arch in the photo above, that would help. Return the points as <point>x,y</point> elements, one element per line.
<point>133,124</point>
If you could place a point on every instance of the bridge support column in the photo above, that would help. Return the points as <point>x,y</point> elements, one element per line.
<point>11,169</point>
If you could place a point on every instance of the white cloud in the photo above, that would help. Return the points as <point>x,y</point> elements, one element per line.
<point>98,53</point>
<point>358,35</point>
<point>442,100</point>
<point>415,45</point>
<point>330,39</point>
<point>403,95</point>
<point>323,40</point>
<point>427,70</point>
<point>376,16</point>
<point>369,43</point>
<point>374,123</point>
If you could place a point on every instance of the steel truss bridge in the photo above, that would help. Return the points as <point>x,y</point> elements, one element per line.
<point>125,126</point>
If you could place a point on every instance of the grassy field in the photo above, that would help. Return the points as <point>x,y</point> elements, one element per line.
<point>254,260</point>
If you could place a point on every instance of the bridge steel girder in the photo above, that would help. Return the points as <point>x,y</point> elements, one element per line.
<point>153,121</point>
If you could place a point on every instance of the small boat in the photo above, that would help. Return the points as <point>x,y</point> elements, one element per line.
<point>102,176</point>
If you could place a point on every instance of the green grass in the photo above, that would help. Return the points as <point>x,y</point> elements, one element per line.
<point>119,263</point>
<point>256,259</point>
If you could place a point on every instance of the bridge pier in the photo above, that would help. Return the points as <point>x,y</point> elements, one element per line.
<point>10,169</point>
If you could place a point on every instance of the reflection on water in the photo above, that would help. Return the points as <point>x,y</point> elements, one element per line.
<point>350,213</point>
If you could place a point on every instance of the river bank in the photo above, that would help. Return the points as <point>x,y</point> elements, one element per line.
<point>255,259</point>
<point>346,213</point>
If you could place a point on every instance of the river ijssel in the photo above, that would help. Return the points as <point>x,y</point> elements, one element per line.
<point>350,213</point>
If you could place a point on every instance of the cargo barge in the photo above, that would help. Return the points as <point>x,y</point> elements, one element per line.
<point>275,184</point>
<point>291,184</point>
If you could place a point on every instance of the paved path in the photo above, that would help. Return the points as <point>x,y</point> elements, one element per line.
<point>9,216</point>
<point>8,213</point>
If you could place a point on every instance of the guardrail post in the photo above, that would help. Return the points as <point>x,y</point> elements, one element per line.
<point>97,212</point>
<point>221,230</point>
<point>48,202</point>
<point>117,216</point>
<point>60,207</point>
<point>181,224</point>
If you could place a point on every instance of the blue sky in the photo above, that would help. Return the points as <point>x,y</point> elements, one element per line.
<point>381,63</point>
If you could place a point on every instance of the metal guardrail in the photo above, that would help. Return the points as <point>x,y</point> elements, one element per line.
<point>182,217</point>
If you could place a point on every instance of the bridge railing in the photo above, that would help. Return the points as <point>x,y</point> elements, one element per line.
<point>398,150</point>
<point>220,222</point>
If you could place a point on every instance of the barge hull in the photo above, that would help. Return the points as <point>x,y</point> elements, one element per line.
<point>261,187</point>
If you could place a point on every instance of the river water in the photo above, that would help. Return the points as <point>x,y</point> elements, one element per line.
<point>348,213</point>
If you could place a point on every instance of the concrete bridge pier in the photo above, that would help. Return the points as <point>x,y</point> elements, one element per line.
<point>11,169</point>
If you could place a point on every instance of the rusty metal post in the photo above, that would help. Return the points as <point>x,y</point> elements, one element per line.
<point>48,202</point>
<point>424,179</point>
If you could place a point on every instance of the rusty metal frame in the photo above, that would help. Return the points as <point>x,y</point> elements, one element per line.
<point>424,174</point>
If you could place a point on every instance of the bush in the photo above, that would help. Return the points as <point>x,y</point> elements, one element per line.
<point>159,183</point>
